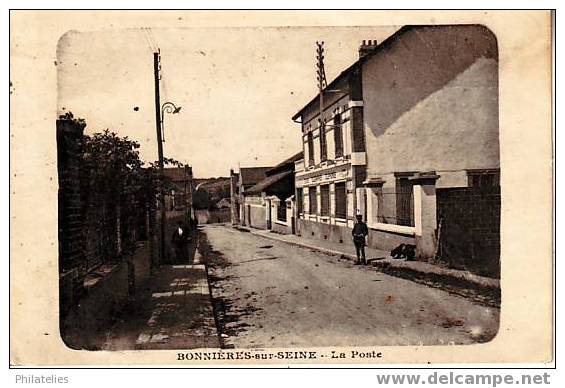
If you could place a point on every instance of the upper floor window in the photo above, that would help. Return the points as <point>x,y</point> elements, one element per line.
<point>338,136</point>
<point>310,148</point>
<point>323,143</point>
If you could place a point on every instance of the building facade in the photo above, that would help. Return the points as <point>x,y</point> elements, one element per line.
<point>418,115</point>
<point>273,198</point>
<point>334,164</point>
<point>251,212</point>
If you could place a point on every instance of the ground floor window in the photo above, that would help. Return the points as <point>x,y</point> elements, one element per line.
<point>404,202</point>
<point>325,200</point>
<point>299,201</point>
<point>281,211</point>
<point>312,200</point>
<point>396,204</point>
<point>340,200</point>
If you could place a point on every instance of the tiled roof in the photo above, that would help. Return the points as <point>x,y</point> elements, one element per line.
<point>175,174</point>
<point>265,183</point>
<point>288,163</point>
<point>253,175</point>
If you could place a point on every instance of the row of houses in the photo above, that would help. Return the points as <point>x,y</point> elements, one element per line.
<point>407,137</point>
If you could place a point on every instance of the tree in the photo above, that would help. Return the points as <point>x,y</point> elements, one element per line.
<point>117,183</point>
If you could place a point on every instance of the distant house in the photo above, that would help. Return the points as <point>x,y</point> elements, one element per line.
<point>180,193</point>
<point>268,204</point>
<point>409,141</point>
<point>209,191</point>
<point>224,203</point>
<point>240,182</point>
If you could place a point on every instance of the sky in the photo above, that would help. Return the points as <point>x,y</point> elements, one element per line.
<point>238,87</point>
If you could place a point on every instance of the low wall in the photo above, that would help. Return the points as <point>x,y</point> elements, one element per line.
<point>342,234</point>
<point>257,217</point>
<point>335,233</point>
<point>213,216</point>
<point>280,228</point>
<point>387,241</point>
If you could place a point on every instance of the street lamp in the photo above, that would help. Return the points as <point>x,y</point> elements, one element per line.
<point>167,107</point>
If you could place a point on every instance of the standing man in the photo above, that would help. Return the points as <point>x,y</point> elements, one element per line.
<point>360,231</point>
<point>179,240</point>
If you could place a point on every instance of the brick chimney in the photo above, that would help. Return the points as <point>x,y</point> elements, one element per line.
<point>366,47</point>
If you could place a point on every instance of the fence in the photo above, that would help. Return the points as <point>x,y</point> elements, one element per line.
<point>469,229</point>
<point>396,206</point>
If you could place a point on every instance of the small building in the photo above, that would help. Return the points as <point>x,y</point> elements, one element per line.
<point>239,183</point>
<point>274,195</point>
<point>410,142</point>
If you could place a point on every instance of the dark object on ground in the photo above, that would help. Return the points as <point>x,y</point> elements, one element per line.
<point>266,246</point>
<point>404,251</point>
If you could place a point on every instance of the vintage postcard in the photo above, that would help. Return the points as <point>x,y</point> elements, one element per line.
<point>270,188</point>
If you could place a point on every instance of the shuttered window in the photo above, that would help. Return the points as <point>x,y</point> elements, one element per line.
<point>312,200</point>
<point>404,202</point>
<point>323,143</point>
<point>325,200</point>
<point>281,211</point>
<point>338,136</point>
<point>310,149</point>
<point>340,200</point>
<point>299,201</point>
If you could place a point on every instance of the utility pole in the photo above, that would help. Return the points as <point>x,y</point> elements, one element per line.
<point>156,60</point>
<point>186,216</point>
<point>321,77</point>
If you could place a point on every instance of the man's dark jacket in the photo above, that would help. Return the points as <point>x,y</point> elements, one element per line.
<point>359,232</point>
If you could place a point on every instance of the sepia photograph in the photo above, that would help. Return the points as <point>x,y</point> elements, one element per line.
<point>303,188</point>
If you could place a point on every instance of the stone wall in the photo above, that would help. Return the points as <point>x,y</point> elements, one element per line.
<point>323,231</point>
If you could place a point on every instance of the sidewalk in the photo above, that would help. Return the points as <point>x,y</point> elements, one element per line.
<point>175,312</point>
<point>479,288</point>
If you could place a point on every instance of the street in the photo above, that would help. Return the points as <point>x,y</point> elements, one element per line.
<point>268,293</point>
